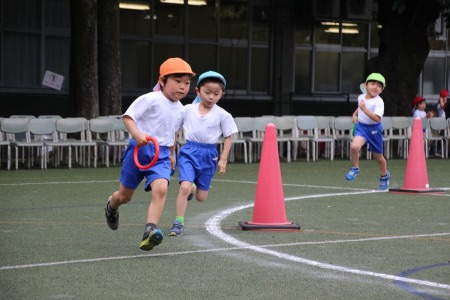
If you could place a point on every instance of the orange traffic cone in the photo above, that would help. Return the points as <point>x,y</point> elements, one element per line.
<point>269,211</point>
<point>416,177</point>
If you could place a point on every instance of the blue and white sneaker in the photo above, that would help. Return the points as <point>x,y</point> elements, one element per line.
<point>152,237</point>
<point>352,173</point>
<point>384,181</point>
<point>177,229</point>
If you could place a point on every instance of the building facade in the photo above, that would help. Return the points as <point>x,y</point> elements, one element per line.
<point>281,57</point>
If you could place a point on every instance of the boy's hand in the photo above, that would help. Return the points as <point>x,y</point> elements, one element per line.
<point>141,139</point>
<point>222,166</point>
<point>173,161</point>
<point>362,105</point>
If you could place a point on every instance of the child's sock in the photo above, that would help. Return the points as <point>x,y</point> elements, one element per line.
<point>179,219</point>
<point>151,225</point>
<point>111,210</point>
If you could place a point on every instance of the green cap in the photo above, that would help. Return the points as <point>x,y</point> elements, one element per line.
<point>377,77</point>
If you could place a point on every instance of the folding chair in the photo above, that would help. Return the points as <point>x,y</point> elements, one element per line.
<point>246,127</point>
<point>304,133</point>
<point>343,134</point>
<point>286,128</point>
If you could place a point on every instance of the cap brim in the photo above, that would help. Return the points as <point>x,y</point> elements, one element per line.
<point>362,87</point>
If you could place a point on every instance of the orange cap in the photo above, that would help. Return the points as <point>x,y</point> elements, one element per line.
<point>175,65</point>
<point>417,100</point>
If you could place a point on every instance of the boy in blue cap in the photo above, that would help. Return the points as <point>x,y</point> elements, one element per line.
<point>367,118</point>
<point>204,124</point>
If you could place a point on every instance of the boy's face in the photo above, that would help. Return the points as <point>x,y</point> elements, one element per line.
<point>210,93</point>
<point>176,87</point>
<point>422,105</point>
<point>373,88</point>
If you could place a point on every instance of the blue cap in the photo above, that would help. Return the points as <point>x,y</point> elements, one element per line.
<point>212,74</point>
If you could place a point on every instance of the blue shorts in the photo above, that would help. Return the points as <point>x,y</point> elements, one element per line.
<point>197,163</point>
<point>373,134</point>
<point>131,176</point>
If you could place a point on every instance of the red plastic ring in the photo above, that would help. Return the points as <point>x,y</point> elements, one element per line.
<point>155,157</point>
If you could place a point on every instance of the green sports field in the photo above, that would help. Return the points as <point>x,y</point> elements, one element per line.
<point>355,242</point>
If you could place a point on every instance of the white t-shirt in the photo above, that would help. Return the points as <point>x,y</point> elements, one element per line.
<point>209,128</point>
<point>375,105</point>
<point>419,114</point>
<point>441,111</point>
<point>157,116</point>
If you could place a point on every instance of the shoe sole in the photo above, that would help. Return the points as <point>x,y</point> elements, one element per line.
<point>174,234</point>
<point>154,239</point>
<point>351,179</point>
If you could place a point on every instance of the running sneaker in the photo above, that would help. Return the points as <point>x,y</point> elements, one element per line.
<point>352,173</point>
<point>177,229</point>
<point>152,237</point>
<point>384,181</point>
<point>112,219</point>
<point>191,195</point>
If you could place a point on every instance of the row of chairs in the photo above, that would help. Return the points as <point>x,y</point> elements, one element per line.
<point>436,134</point>
<point>45,135</point>
<point>323,135</point>
<point>292,131</point>
<point>312,135</point>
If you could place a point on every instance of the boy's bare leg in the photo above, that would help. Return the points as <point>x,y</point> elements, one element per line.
<point>159,194</point>
<point>122,196</point>
<point>152,235</point>
<point>355,147</point>
<point>379,157</point>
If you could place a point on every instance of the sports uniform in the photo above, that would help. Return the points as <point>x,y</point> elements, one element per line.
<point>159,118</point>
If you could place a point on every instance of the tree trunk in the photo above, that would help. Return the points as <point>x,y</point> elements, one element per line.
<point>109,57</point>
<point>403,50</point>
<point>83,59</point>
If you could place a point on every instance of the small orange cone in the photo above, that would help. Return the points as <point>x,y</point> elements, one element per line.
<point>269,211</point>
<point>416,177</point>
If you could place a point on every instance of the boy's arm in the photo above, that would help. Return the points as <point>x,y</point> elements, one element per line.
<point>224,155</point>
<point>370,114</point>
<point>355,116</point>
<point>134,131</point>
<point>172,148</point>
<point>443,102</point>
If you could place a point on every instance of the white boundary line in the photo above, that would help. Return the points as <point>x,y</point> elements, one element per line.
<point>213,227</point>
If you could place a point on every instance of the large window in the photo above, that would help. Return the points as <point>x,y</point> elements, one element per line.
<point>31,45</point>
<point>435,72</point>
<point>335,53</point>
<point>225,36</point>
<point>21,43</point>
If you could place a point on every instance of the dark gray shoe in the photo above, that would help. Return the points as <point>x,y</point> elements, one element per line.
<point>112,220</point>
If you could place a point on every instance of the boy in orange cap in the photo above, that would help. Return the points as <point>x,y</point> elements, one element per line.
<point>157,114</point>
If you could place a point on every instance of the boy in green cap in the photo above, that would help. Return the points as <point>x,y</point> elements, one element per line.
<point>367,118</point>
